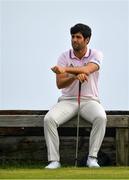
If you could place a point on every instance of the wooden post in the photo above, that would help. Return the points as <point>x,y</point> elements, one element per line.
<point>122,146</point>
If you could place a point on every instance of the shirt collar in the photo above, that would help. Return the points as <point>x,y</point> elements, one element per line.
<point>72,56</point>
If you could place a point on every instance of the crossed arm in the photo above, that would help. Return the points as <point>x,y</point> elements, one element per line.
<point>65,76</point>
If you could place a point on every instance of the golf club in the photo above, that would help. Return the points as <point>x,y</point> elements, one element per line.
<point>78,120</point>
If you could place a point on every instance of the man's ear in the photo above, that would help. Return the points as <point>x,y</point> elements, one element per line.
<point>87,40</point>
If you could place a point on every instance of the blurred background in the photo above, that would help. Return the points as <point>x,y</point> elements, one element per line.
<point>33,34</point>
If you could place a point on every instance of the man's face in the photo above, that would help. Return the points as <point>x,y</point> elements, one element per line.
<point>78,41</point>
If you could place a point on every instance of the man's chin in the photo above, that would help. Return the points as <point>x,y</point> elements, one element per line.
<point>76,49</point>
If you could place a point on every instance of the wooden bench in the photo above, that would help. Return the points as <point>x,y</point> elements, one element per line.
<point>118,120</point>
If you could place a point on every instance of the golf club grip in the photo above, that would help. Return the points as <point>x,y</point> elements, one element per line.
<point>79,92</point>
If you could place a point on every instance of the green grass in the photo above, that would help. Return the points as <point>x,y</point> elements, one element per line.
<point>64,173</point>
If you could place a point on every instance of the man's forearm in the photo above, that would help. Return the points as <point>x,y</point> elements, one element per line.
<point>66,81</point>
<point>88,69</point>
<point>77,70</point>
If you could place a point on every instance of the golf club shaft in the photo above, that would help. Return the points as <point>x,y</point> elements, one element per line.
<point>78,120</point>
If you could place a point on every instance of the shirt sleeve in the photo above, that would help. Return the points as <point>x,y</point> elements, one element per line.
<point>97,58</point>
<point>61,61</point>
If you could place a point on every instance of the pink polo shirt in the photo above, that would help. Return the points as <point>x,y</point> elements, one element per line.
<point>89,89</point>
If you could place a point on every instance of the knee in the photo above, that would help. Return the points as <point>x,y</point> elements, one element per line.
<point>48,120</point>
<point>101,120</point>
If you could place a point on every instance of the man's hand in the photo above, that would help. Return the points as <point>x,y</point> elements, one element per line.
<point>82,77</point>
<point>58,69</point>
<point>61,70</point>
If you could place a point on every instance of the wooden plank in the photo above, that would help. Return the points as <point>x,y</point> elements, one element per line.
<point>117,121</point>
<point>113,121</point>
<point>39,131</point>
<point>43,112</point>
<point>21,120</point>
<point>23,112</point>
<point>37,121</point>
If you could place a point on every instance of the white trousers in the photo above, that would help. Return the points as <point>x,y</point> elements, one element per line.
<point>91,110</point>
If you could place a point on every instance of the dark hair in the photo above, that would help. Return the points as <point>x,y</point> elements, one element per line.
<point>82,28</point>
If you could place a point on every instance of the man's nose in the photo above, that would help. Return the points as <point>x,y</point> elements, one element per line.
<point>74,39</point>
